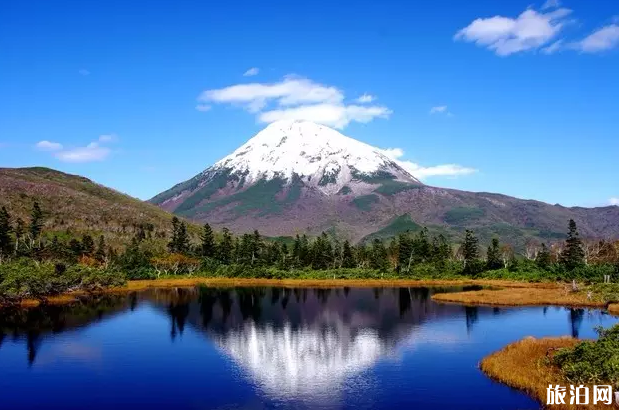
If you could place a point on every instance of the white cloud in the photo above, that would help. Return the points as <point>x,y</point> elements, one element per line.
<point>365,98</point>
<point>505,35</point>
<point>48,146</point>
<point>439,109</point>
<point>422,172</point>
<point>333,115</point>
<point>603,39</point>
<point>84,72</point>
<point>553,48</point>
<point>251,72</point>
<point>90,153</point>
<point>95,151</point>
<point>203,107</point>
<point>614,201</point>
<point>295,98</point>
<point>551,4</point>
<point>108,138</point>
<point>289,92</point>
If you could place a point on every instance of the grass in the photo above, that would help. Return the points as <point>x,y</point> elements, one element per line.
<point>542,295</point>
<point>524,365</point>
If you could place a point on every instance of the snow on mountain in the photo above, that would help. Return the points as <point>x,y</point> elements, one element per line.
<point>318,154</point>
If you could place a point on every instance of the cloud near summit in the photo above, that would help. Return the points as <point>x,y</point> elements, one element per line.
<point>421,172</point>
<point>295,98</point>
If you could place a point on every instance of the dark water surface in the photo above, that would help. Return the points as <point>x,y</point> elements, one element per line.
<point>255,348</point>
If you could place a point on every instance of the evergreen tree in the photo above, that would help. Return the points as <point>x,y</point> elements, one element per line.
<point>573,255</point>
<point>441,250</point>
<point>543,258</point>
<point>348,259</point>
<point>100,253</point>
<point>58,249</point>
<point>75,247</point>
<point>470,249</point>
<point>405,252</point>
<point>296,251</point>
<point>180,239</point>
<point>36,221</point>
<point>256,248</point>
<point>88,245</point>
<point>421,246</point>
<point>305,251</point>
<point>208,242</point>
<point>379,256</point>
<point>140,234</point>
<point>225,247</point>
<point>493,257</point>
<point>6,242</point>
<point>322,253</point>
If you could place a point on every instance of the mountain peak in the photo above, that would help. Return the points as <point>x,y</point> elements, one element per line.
<point>311,151</point>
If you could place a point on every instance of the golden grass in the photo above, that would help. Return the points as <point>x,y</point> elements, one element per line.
<point>523,365</point>
<point>521,296</point>
<point>136,285</point>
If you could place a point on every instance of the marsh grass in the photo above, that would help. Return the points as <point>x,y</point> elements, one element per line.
<point>525,365</point>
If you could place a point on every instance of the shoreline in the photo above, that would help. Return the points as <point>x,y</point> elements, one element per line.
<point>496,292</point>
<point>522,365</point>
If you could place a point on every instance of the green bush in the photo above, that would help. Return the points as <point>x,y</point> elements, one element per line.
<point>594,362</point>
<point>25,278</point>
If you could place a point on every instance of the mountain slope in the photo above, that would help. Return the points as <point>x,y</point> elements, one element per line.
<point>296,176</point>
<point>76,204</point>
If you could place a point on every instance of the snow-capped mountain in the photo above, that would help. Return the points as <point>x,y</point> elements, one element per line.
<point>318,155</point>
<point>300,177</point>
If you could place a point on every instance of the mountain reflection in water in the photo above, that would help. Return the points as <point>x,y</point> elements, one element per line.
<point>294,344</point>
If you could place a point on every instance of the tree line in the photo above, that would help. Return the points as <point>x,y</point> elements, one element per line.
<point>409,254</point>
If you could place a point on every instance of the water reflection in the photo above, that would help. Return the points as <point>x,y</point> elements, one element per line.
<point>296,345</point>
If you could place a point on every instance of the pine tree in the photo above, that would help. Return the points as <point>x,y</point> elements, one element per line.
<point>6,242</point>
<point>180,239</point>
<point>58,250</point>
<point>100,253</point>
<point>573,255</point>
<point>140,235</point>
<point>348,259</point>
<point>208,242</point>
<point>75,247</point>
<point>322,252</point>
<point>225,247</point>
<point>379,256</point>
<point>405,252</point>
<point>493,257</point>
<point>173,244</point>
<point>470,250</point>
<point>88,245</point>
<point>183,239</point>
<point>441,250</point>
<point>256,248</point>
<point>36,221</point>
<point>421,246</point>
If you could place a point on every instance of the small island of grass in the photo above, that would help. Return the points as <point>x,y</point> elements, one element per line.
<point>533,364</point>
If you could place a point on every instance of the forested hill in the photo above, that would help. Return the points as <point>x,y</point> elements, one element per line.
<point>77,205</point>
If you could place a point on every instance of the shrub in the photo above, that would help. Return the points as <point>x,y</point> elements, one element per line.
<point>594,362</point>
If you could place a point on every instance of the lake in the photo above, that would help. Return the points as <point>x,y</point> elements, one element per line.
<point>262,348</point>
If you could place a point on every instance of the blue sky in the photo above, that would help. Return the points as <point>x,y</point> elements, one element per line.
<point>501,96</point>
